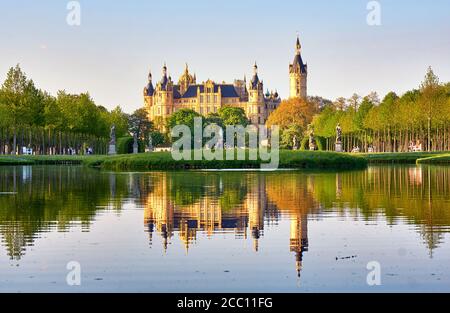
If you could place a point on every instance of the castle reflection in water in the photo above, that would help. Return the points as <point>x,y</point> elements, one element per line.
<point>181,206</point>
<point>218,212</point>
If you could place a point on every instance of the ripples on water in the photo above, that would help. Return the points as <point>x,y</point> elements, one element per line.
<point>249,231</point>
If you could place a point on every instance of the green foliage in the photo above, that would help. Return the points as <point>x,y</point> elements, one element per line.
<point>233,116</point>
<point>120,119</point>
<point>288,159</point>
<point>304,145</point>
<point>157,138</point>
<point>183,117</point>
<point>139,124</point>
<point>24,108</point>
<point>443,159</point>
<point>321,143</point>
<point>124,145</point>
<point>420,115</point>
<point>287,135</point>
<point>399,158</point>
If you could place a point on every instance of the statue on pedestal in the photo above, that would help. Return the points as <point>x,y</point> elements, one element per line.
<point>338,138</point>
<point>295,143</point>
<point>112,141</point>
<point>338,133</point>
<point>150,143</point>
<point>312,140</point>
<point>135,144</point>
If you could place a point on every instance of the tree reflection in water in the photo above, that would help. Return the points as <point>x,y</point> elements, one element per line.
<point>35,200</point>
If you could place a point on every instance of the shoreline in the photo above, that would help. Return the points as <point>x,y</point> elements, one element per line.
<point>289,160</point>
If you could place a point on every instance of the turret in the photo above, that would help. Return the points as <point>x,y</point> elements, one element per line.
<point>149,90</point>
<point>186,80</point>
<point>256,104</point>
<point>298,74</point>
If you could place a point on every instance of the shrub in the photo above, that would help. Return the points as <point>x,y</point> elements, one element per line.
<point>124,145</point>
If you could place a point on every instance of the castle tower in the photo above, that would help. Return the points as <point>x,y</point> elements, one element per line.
<point>298,74</point>
<point>148,95</point>
<point>255,110</point>
<point>186,80</point>
<point>298,242</point>
<point>163,96</point>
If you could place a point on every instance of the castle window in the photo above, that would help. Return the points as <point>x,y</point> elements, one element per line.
<point>215,99</point>
<point>215,109</point>
<point>201,110</point>
<point>208,109</point>
<point>201,99</point>
<point>208,99</point>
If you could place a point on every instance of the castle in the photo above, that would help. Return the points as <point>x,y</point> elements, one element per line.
<point>208,97</point>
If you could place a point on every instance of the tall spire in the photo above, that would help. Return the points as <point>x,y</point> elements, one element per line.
<point>149,90</point>
<point>298,46</point>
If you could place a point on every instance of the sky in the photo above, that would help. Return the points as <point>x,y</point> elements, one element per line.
<point>117,42</point>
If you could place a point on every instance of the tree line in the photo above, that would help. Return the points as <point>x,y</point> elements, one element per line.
<point>70,123</point>
<point>67,123</point>
<point>420,118</point>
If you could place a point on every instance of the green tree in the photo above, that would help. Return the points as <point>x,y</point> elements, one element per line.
<point>233,116</point>
<point>431,97</point>
<point>140,124</point>
<point>22,99</point>
<point>120,119</point>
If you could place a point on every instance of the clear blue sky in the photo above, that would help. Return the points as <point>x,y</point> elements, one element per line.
<point>110,53</point>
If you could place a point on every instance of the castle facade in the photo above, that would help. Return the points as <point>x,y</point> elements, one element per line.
<point>208,97</point>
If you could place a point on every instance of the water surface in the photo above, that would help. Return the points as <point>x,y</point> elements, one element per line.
<point>224,231</point>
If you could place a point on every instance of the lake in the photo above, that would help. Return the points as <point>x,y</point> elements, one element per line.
<point>224,231</point>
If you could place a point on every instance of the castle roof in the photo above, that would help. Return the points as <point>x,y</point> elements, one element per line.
<point>149,90</point>
<point>227,91</point>
<point>299,62</point>
<point>176,92</point>
<point>164,81</point>
<point>255,81</point>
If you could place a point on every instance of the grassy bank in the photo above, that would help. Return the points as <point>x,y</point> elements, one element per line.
<point>399,158</point>
<point>51,160</point>
<point>7,160</point>
<point>443,159</point>
<point>288,159</point>
<point>164,161</point>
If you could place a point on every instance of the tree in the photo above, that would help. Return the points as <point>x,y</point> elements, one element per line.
<point>233,116</point>
<point>22,99</point>
<point>373,98</point>
<point>214,118</point>
<point>339,104</point>
<point>354,101</point>
<point>431,97</point>
<point>81,115</point>
<point>120,119</point>
<point>293,111</point>
<point>293,117</point>
<point>139,124</point>
<point>183,117</point>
